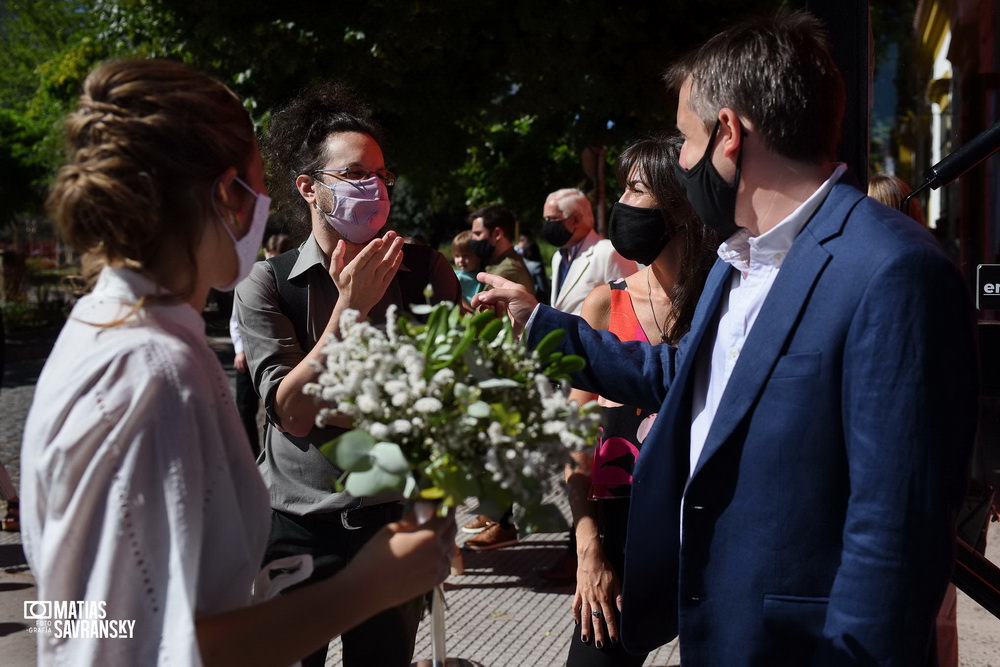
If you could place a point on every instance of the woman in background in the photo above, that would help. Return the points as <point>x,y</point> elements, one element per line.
<point>890,190</point>
<point>140,497</point>
<point>652,224</point>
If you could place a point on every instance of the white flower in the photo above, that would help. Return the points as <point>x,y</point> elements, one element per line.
<point>427,404</point>
<point>367,403</point>
<point>393,387</point>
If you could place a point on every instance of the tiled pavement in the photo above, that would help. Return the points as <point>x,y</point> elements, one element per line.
<point>500,612</point>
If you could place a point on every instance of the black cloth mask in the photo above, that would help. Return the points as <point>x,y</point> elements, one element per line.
<point>555,232</point>
<point>482,248</point>
<point>639,234</point>
<point>711,197</point>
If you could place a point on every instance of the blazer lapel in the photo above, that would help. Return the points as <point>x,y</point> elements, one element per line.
<point>778,316</point>
<point>576,270</point>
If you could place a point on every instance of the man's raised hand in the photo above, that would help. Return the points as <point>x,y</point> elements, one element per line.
<point>506,297</point>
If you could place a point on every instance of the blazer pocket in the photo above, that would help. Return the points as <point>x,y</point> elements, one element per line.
<point>798,365</point>
<point>796,620</point>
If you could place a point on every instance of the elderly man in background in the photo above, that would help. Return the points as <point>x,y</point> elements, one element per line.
<point>584,260</point>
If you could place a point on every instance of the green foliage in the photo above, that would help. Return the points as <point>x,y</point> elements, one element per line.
<point>481,102</point>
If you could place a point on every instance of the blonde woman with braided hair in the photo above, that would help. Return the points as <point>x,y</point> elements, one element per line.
<point>144,517</point>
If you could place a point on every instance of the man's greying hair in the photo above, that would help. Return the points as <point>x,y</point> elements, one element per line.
<point>776,72</point>
<point>572,201</point>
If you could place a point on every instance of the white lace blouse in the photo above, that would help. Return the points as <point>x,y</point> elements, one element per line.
<point>140,497</point>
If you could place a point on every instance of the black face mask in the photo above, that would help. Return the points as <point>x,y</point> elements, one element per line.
<point>555,232</point>
<point>711,197</point>
<point>639,234</point>
<point>482,248</point>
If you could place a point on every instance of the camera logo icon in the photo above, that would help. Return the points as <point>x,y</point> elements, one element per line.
<point>37,610</point>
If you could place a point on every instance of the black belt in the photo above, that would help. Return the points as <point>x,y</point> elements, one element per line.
<point>378,515</point>
<point>356,518</point>
<point>349,518</point>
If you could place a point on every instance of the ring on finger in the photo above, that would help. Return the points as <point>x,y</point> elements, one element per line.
<point>596,613</point>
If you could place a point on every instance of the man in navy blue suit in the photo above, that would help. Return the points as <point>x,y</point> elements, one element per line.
<point>795,502</point>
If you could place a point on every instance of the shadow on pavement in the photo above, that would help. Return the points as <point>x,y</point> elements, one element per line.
<point>12,556</point>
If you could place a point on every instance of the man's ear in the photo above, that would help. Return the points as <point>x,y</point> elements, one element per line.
<point>306,186</point>
<point>731,134</point>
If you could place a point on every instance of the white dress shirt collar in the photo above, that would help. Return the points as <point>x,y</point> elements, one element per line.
<point>771,247</point>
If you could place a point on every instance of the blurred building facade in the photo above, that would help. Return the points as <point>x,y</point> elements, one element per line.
<point>958,70</point>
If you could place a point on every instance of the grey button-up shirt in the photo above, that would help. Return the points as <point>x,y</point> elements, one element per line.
<point>299,477</point>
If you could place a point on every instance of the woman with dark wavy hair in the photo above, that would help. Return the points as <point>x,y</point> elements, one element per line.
<point>652,224</point>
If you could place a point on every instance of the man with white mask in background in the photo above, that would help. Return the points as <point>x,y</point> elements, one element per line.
<point>327,169</point>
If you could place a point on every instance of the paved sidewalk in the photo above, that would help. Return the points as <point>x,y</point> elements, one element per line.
<point>500,612</point>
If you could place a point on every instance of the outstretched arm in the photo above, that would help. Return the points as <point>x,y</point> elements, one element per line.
<point>399,563</point>
<point>633,373</point>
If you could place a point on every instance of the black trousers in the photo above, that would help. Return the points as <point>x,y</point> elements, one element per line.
<point>385,639</point>
<point>612,522</point>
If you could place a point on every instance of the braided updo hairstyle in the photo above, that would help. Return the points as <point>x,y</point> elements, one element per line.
<point>147,143</point>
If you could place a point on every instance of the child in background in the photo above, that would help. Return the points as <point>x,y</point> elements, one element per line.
<point>467,265</point>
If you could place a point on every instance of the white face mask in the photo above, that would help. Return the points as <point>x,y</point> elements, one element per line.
<point>360,208</point>
<point>248,247</point>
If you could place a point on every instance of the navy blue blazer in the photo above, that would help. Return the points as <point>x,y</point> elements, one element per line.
<point>819,520</point>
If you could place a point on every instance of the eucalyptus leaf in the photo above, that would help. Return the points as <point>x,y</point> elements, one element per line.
<point>351,451</point>
<point>390,458</point>
<point>372,482</point>
<point>480,409</point>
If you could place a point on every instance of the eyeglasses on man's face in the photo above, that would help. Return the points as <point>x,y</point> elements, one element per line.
<point>356,173</point>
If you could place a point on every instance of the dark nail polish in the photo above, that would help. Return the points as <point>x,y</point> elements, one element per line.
<point>585,639</point>
<point>599,645</point>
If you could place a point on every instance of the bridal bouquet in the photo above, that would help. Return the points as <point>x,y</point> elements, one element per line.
<point>451,409</point>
